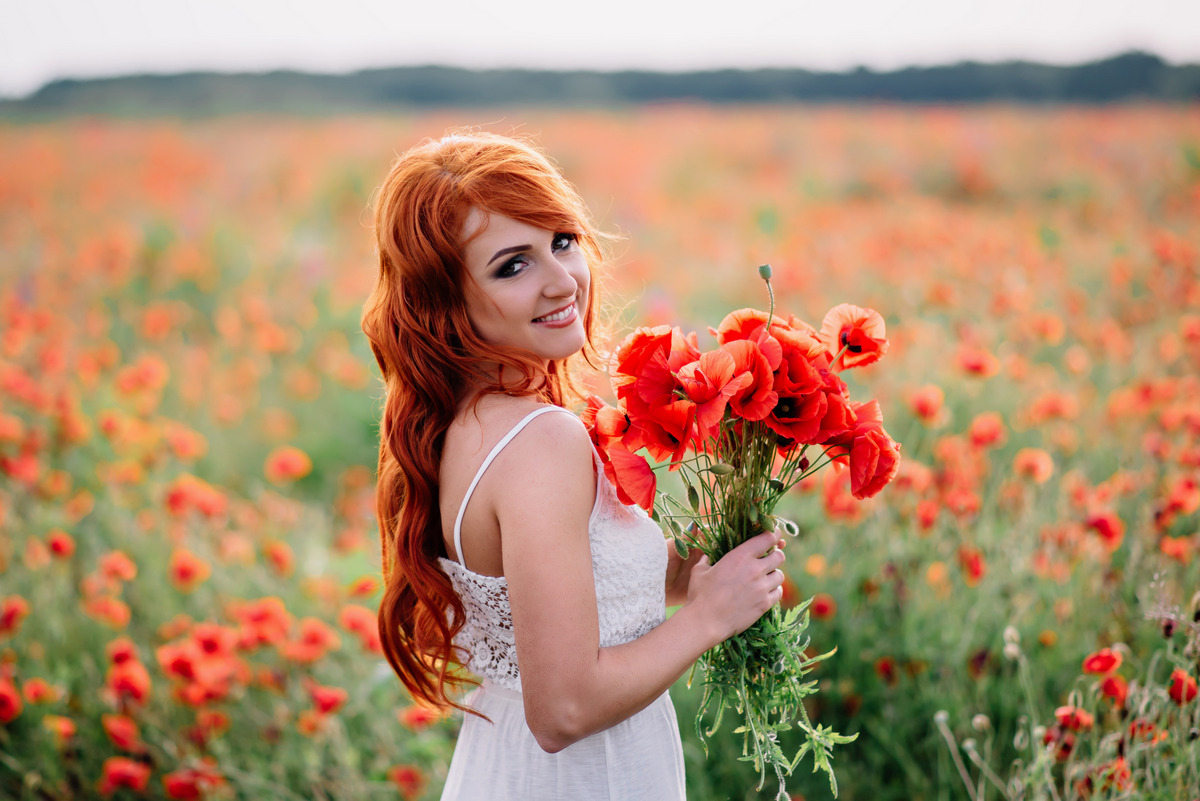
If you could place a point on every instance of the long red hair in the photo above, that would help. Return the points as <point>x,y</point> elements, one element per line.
<point>430,357</point>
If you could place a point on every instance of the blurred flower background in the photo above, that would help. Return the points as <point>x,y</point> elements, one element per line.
<point>188,566</point>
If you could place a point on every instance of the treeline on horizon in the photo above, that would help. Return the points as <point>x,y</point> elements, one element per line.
<point>1133,76</point>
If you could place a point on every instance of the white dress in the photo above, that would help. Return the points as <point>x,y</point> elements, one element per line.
<point>638,758</point>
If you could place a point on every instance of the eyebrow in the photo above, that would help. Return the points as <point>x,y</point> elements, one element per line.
<point>506,251</point>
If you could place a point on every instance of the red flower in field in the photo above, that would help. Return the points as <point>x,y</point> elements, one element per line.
<point>188,493</point>
<point>1109,527</point>
<point>39,691</point>
<point>122,772</point>
<point>1063,742</point>
<point>286,464</point>
<point>13,610</point>
<point>927,402</point>
<point>121,650</point>
<point>327,700</point>
<point>1116,775</point>
<point>1073,718</point>
<point>885,668</point>
<point>123,732</point>
<point>1183,687</point>
<point>10,701</point>
<point>1034,464</point>
<point>409,780</point>
<point>190,784</point>
<point>61,543</point>
<point>62,728</point>
<point>108,610</point>
<point>1106,660</point>
<point>361,621</point>
<point>187,571</point>
<point>264,622</point>
<point>1177,548</point>
<point>977,362</point>
<point>927,513</point>
<point>860,332</point>
<point>987,430</point>
<point>316,637</point>
<point>363,587</point>
<point>1115,688</point>
<point>418,717</point>
<point>973,565</point>
<point>823,606</point>
<point>129,679</point>
<point>117,566</point>
<point>281,557</point>
<point>873,456</point>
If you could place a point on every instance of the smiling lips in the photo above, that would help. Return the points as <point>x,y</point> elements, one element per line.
<point>563,316</point>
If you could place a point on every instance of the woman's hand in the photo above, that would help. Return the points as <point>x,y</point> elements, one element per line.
<point>740,587</point>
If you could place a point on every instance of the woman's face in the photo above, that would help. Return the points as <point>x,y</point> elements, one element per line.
<point>530,286</point>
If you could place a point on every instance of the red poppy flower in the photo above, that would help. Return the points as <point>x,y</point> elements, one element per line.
<point>191,784</point>
<point>1115,688</point>
<point>409,780</point>
<point>1183,687</point>
<point>823,606</point>
<point>857,333</point>
<point>327,700</point>
<point>13,610</point>
<point>10,701</point>
<point>1106,660</point>
<point>62,728</point>
<point>418,717</point>
<point>631,476</point>
<point>709,383</point>
<point>756,399</point>
<point>1033,463</point>
<point>122,732</point>
<point>62,544</point>
<point>872,455</point>
<point>927,402</point>
<point>187,571</point>
<point>122,772</point>
<point>1109,527</point>
<point>974,566</point>
<point>1074,719</point>
<point>286,464</point>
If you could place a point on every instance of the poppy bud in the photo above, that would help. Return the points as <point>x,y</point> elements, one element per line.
<point>764,272</point>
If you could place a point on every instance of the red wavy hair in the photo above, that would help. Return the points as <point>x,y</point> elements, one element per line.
<point>430,356</point>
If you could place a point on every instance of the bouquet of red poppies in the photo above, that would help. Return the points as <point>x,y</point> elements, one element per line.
<point>742,424</point>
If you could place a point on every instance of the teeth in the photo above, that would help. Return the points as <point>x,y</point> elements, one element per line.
<point>554,318</point>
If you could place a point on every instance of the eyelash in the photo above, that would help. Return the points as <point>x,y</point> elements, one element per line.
<point>507,270</point>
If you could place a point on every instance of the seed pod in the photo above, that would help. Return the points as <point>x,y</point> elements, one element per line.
<point>680,548</point>
<point>764,272</point>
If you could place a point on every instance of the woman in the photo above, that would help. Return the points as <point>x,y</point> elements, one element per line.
<point>503,543</point>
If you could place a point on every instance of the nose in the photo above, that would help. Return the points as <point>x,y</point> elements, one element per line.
<point>560,281</point>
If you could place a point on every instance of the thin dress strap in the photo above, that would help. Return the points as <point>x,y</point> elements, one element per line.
<point>483,467</point>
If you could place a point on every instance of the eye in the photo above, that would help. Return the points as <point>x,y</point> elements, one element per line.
<point>512,267</point>
<point>563,241</point>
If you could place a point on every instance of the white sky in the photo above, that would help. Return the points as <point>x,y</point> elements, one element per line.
<point>45,39</point>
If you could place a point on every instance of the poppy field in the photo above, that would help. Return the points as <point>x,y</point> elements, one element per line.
<point>189,565</point>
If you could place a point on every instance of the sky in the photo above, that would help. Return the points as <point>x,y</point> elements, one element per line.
<point>41,40</point>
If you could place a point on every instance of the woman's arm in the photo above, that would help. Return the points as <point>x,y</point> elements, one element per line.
<point>542,491</point>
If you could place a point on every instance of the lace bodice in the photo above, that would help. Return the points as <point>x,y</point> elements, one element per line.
<point>629,561</point>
